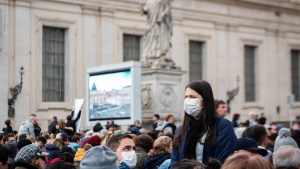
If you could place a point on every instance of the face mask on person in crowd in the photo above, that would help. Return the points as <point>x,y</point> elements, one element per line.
<point>192,106</point>
<point>129,157</point>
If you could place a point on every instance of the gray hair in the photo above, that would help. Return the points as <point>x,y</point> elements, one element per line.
<point>286,156</point>
<point>32,118</point>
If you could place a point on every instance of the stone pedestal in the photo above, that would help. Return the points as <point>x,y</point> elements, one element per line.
<point>161,92</point>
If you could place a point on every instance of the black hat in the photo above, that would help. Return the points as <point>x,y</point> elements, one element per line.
<point>250,145</point>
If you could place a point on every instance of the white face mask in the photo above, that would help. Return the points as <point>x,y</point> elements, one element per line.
<point>191,106</point>
<point>129,157</point>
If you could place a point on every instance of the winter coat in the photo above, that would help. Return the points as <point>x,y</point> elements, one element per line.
<point>27,128</point>
<point>79,154</point>
<point>226,142</point>
<point>52,127</point>
<point>141,155</point>
<point>154,161</point>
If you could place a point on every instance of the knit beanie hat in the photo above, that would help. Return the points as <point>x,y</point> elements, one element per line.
<point>94,141</point>
<point>100,157</point>
<point>284,138</point>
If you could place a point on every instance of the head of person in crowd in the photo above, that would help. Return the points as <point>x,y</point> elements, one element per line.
<point>54,153</point>
<point>64,138</point>
<point>189,164</point>
<point>284,138</point>
<point>32,119</point>
<point>8,122</point>
<point>62,124</point>
<point>236,120</point>
<point>200,122</point>
<point>12,148</point>
<point>296,136</point>
<point>4,153</point>
<point>53,118</point>
<point>248,144</point>
<point>67,156</point>
<point>162,145</point>
<point>124,147</point>
<point>272,139</point>
<point>258,133</point>
<point>60,164</point>
<point>1,139</point>
<point>213,164</point>
<point>169,118</point>
<point>221,108</point>
<point>31,138</point>
<point>31,157</point>
<point>245,160</point>
<point>41,141</point>
<point>296,125</point>
<point>22,143</point>
<point>12,152</point>
<point>287,157</point>
<point>272,129</point>
<point>144,141</point>
<point>10,137</point>
<point>94,141</point>
<point>155,117</point>
<point>22,136</point>
<point>91,158</point>
<point>98,127</point>
<point>58,143</point>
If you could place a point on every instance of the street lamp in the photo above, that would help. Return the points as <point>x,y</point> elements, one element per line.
<point>232,93</point>
<point>15,91</point>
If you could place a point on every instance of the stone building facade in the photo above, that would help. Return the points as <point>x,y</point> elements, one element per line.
<point>257,40</point>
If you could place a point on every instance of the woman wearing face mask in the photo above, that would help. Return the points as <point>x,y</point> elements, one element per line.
<point>202,134</point>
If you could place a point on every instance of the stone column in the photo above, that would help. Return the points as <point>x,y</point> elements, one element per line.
<point>22,58</point>
<point>161,92</point>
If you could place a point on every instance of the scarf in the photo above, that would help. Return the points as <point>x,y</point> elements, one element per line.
<point>196,128</point>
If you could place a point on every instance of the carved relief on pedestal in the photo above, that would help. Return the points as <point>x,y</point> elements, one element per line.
<point>167,96</point>
<point>146,95</point>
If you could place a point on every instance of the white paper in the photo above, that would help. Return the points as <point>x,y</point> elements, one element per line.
<point>77,106</point>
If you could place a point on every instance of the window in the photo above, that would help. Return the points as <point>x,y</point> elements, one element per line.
<point>131,47</point>
<point>295,59</point>
<point>53,60</point>
<point>196,54</point>
<point>249,73</point>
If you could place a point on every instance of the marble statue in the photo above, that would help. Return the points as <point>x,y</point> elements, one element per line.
<point>157,39</point>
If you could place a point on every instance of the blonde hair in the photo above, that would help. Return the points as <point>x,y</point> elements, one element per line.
<point>31,138</point>
<point>87,146</point>
<point>161,145</point>
<point>246,160</point>
<point>58,143</point>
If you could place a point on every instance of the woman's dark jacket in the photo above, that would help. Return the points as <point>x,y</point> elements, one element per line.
<point>154,161</point>
<point>226,142</point>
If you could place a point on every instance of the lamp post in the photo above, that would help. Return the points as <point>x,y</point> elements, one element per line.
<point>232,93</point>
<point>15,91</point>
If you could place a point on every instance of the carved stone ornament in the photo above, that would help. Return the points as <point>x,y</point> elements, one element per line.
<point>146,96</point>
<point>167,97</point>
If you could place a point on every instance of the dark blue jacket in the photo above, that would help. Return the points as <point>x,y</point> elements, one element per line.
<point>154,161</point>
<point>226,142</point>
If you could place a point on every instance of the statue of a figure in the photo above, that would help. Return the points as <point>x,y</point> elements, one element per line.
<point>157,39</point>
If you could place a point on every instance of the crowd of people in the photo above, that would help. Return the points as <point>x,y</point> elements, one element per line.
<point>204,140</point>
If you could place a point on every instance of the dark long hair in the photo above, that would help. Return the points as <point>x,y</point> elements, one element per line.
<point>207,119</point>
